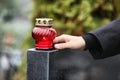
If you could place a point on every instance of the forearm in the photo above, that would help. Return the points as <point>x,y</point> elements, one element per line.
<point>108,38</point>
<point>93,45</point>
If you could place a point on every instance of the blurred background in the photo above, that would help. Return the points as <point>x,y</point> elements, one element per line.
<point>75,17</point>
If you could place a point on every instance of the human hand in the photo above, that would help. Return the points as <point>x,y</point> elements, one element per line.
<point>69,41</point>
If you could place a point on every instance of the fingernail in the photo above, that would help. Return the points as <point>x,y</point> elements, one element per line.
<point>56,46</point>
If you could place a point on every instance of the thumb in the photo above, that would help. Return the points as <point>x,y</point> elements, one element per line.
<point>62,45</point>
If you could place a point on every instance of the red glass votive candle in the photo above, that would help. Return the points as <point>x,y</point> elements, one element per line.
<point>43,33</point>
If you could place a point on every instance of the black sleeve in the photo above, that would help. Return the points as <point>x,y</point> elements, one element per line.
<point>93,45</point>
<point>105,41</point>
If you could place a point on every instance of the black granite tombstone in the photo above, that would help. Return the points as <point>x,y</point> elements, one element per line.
<point>38,64</point>
<point>55,65</point>
<point>70,65</point>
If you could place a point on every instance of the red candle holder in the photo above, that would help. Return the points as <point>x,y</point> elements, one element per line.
<point>43,33</point>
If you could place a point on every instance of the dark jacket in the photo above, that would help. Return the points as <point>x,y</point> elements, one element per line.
<point>105,41</point>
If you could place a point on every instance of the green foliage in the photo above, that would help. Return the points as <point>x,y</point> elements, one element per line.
<point>21,74</point>
<point>117,7</point>
<point>69,15</point>
<point>1,36</point>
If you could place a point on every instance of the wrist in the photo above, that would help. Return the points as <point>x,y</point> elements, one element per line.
<point>83,46</point>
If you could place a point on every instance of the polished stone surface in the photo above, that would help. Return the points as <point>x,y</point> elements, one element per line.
<point>38,64</point>
<point>70,64</point>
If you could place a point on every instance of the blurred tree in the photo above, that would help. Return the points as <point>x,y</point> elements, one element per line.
<point>1,38</point>
<point>117,7</point>
<point>8,23</point>
<point>7,10</point>
<point>72,15</point>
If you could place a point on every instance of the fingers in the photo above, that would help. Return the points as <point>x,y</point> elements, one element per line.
<point>67,41</point>
<point>62,45</point>
<point>59,39</point>
<point>62,42</point>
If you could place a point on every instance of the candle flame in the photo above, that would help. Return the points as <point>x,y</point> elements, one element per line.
<point>44,38</point>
